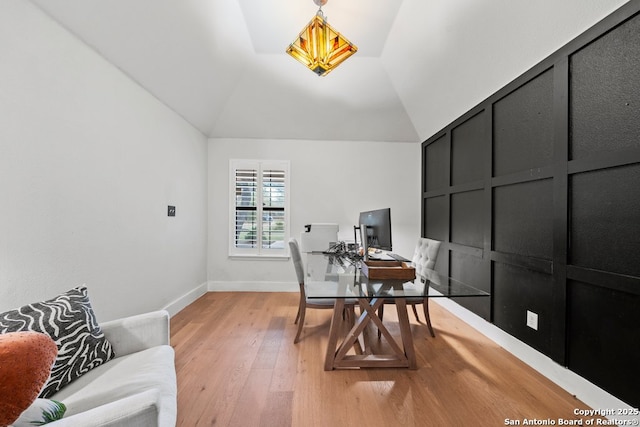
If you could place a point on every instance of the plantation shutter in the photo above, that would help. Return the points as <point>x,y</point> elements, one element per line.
<point>246,208</point>
<point>259,211</point>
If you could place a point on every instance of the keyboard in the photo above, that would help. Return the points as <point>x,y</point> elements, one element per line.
<point>398,257</point>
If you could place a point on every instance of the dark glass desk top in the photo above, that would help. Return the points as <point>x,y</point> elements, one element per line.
<point>330,276</point>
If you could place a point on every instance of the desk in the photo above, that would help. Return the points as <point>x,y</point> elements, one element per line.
<point>343,280</point>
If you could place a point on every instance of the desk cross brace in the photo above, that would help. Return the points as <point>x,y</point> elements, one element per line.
<point>403,357</point>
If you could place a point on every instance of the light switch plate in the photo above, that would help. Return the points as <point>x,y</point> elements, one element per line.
<point>171,211</point>
<point>532,320</point>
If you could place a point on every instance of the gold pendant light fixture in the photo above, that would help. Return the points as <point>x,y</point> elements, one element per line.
<point>319,46</point>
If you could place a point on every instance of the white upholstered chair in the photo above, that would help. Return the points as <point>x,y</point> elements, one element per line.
<point>306,302</point>
<point>424,261</point>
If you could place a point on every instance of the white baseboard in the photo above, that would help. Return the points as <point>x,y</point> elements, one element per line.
<point>176,306</point>
<point>218,286</point>
<point>574,384</point>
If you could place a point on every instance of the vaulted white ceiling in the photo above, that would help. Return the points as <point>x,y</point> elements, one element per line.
<point>221,64</point>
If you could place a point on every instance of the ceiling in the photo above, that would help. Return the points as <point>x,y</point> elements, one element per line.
<point>222,66</point>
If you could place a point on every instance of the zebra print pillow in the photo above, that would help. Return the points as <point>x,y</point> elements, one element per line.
<point>70,321</point>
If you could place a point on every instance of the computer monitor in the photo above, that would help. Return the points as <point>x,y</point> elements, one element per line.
<point>378,225</point>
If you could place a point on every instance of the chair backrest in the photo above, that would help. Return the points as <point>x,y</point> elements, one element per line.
<point>297,260</point>
<point>425,255</point>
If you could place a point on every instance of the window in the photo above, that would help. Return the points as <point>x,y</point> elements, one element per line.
<point>259,216</point>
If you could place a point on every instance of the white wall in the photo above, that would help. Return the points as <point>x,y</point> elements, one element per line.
<point>331,182</point>
<point>89,162</point>
<point>470,49</point>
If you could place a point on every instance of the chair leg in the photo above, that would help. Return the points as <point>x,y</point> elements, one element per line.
<point>380,316</point>
<point>302,311</point>
<point>300,304</point>
<point>415,312</point>
<point>350,316</point>
<point>425,305</point>
<point>351,311</point>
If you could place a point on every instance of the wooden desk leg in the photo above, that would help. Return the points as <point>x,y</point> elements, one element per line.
<point>405,332</point>
<point>334,332</point>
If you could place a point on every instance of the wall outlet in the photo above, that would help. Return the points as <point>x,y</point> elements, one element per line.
<point>532,320</point>
<point>171,211</point>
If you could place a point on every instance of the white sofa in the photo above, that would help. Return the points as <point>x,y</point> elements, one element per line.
<point>136,388</point>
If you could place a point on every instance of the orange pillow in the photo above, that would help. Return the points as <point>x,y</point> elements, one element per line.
<point>25,364</point>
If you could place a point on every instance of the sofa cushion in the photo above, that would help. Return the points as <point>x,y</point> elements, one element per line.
<point>70,321</point>
<point>123,377</point>
<point>25,364</point>
<point>41,412</point>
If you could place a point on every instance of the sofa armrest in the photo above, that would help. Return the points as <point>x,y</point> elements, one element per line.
<point>136,333</point>
<point>139,410</point>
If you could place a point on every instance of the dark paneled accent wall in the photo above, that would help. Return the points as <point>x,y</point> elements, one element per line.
<point>535,194</point>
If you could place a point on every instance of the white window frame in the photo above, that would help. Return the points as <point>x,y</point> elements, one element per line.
<point>258,251</point>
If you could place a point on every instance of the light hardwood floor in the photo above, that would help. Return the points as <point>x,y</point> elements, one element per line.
<point>237,366</point>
